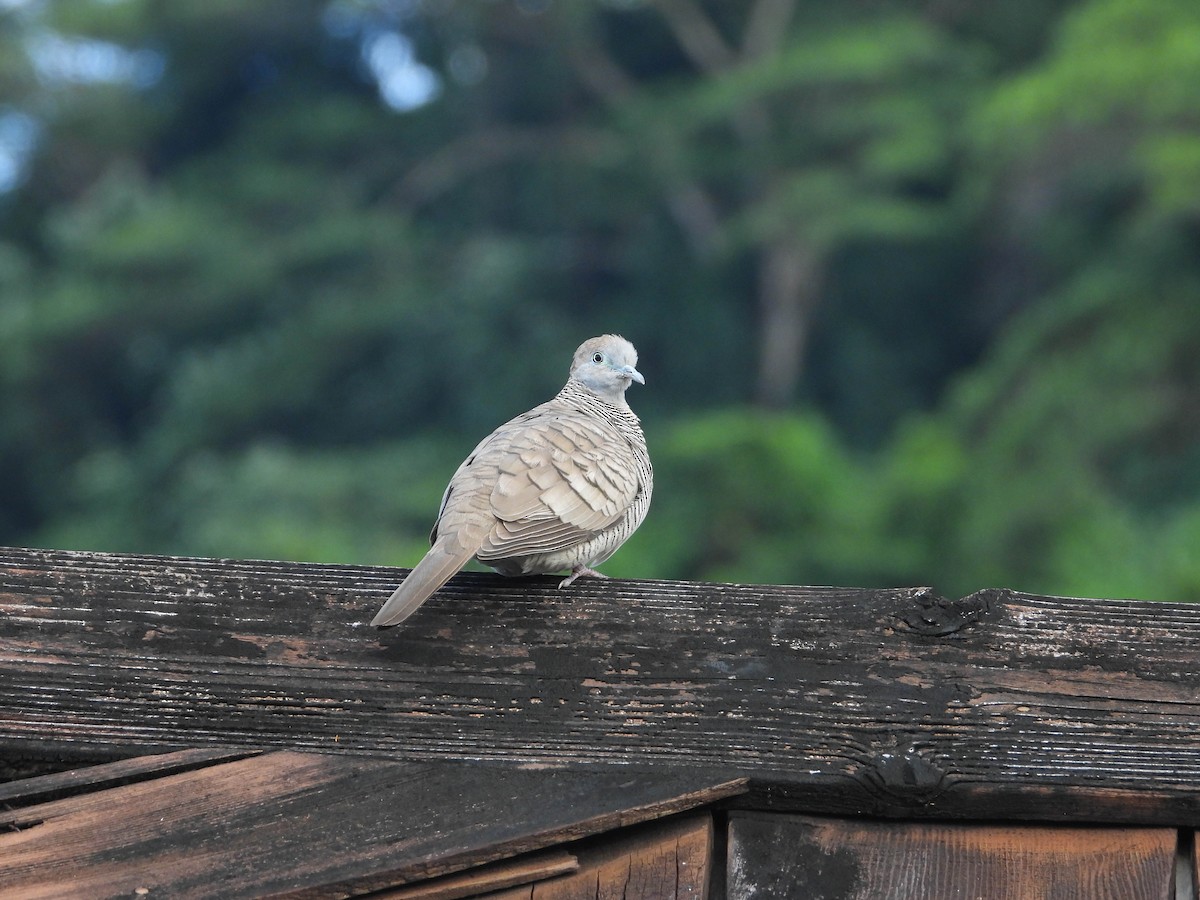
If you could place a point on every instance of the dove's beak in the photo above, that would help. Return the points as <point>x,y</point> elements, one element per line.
<point>633,373</point>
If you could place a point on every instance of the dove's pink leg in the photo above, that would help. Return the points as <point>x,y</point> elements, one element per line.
<point>576,571</point>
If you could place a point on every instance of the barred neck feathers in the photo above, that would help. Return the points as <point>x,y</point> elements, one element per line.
<point>577,395</point>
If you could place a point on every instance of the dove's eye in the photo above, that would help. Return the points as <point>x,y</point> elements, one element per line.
<point>597,357</point>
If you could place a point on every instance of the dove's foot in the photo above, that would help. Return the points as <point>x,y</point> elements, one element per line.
<point>576,571</point>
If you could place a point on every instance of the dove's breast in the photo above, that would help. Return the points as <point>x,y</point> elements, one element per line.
<point>605,468</point>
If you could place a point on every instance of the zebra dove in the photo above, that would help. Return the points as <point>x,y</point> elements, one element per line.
<point>558,488</point>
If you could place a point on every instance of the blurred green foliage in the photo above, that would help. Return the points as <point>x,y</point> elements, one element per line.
<point>915,285</point>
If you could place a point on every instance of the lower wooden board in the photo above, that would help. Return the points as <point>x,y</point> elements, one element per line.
<point>1194,864</point>
<point>311,825</point>
<point>44,788</point>
<point>778,855</point>
<point>662,861</point>
<point>524,870</point>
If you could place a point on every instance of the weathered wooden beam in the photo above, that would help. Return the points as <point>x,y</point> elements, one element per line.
<point>885,702</point>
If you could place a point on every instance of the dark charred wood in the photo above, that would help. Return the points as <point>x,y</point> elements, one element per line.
<point>773,855</point>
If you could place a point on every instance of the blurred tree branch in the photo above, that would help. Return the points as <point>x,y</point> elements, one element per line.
<point>695,211</point>
<point>789,267</point>
<point>477,151</point>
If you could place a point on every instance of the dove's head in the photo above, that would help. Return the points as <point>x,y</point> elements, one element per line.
<point>606,366</point>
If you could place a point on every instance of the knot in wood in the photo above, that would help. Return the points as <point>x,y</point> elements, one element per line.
<point>903,772</point>
<point>935,616</point>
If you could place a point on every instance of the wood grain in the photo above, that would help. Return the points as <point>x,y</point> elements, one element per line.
<point>665,861</point>
<point>877,702</point>
<point>28,791</point>
<point>1194,864</point>
<point>525,870</point>
<point>780,855</point>
<point>314,825</point>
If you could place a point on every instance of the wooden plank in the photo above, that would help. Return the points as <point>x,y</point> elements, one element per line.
<point>524,870</point>
<point>664,861</point>
<point>779,855</point>
<point>887,702</point>
<point>43,788</point>
<point>1193,845</point>
<point>313,825</point>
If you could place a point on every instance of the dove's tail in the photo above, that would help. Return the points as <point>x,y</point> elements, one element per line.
<point>434,570</point>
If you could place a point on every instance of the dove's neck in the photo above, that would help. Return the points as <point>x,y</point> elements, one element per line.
<point>612,407</point>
